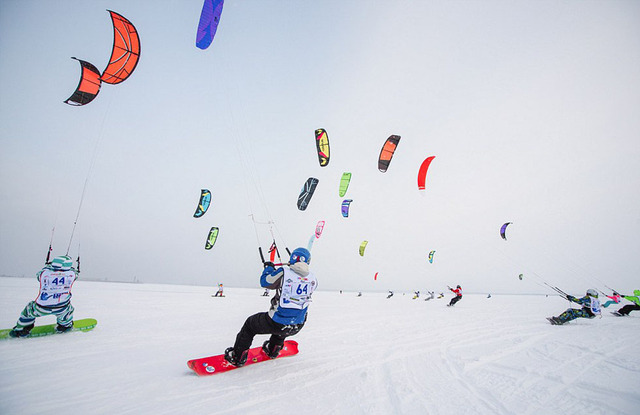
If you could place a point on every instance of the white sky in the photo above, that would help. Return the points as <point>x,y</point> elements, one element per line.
<point>530,107</point>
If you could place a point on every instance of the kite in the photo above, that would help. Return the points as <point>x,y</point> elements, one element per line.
<point>211,239</point>
<point>520,276</point>
<point>203,205</point>
<point>363,245</point>
<point>387,151</point>
<point>208,24</point>
<point>344,184</point>
<point>88,87</point>
<point>422,173</point>
<point>503,229</point>
<point>375,277</point>
<point>125,53</point>
<point>322,145</point>
<point>345,207</point>
<point>319,228</point>
<point>431,256</point>
<point>307,191</point>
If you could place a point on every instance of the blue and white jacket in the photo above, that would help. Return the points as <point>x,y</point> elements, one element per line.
<point>294,286</point>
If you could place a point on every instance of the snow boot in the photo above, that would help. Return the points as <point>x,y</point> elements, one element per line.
<point>231,357</point>
<point>272,352</point>
<point>62,329</point>
<point>23,332</point>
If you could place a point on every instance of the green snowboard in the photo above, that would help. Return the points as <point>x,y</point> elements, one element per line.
<point>85,324</point>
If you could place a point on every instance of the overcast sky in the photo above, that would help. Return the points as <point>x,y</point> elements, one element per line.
<point>530,107</point>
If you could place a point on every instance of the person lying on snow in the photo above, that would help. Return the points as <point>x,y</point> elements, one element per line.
<point>288,312</point>
<point>590,308</point>
<point>635,299</point>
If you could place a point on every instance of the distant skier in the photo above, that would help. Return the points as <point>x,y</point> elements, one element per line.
<point>288,312</point>
<point>390,294</point>
<point>624,311</point>
<point>458,292</point>
<point>359,293</point>
<point>220,292</point>
<point>416,294</point>
<point>590,308</point>
<point>431,296</point>
<point>266,292</point>
<point>54,298</point>
<point>489,296</point>
<point>613,299</point>
<point>441,295</point>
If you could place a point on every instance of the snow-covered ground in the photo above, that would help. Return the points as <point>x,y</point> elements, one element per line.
<point>365,355</point>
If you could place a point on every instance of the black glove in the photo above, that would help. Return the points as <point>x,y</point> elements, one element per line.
<point>571,298</point>
<point>269,264</point>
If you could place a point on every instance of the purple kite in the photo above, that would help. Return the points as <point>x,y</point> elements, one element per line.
<point>209,18</point>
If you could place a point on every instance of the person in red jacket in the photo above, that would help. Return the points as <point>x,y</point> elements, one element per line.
<point>458,292</point>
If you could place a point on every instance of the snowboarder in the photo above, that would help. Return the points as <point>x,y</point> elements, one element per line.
<point>441,295</point>
<point>613,299</point>
<point>288,312</point>
<point>220,292</point>
<point>431,296</point>
<point>624,311</point>
<point>390,294</point>
<point>359,293</point>
<point>590,308</point>
<point>266,292</point>
<point>416,294</point>
<point>56,280</point>
<point>458,292</point>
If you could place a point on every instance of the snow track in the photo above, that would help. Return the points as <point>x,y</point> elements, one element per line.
<point>358,355</point>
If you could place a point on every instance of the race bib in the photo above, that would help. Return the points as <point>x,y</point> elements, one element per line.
<point>55,287</point>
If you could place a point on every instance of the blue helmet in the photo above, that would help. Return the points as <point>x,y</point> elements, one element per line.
<point>300,254</point>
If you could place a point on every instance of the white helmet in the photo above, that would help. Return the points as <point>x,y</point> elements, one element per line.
<point>592,293</point>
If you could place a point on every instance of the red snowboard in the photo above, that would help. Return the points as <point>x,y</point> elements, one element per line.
<point>217,364</point>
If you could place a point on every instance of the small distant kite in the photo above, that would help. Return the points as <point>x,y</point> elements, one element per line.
<point>344,184</point>
<point>345,207</point>
<point>422,173</point>
<point>212,238</point>
<point>322,145</point>
<point>363,245</point>
<point>307,192</point>
<point>319,228</point>
<point>208,24</point>
<point>520,276</point>
<point>203,205</point>
<point>387,151</point>
<point>431,256</point>
<point>375,277</point>
<point>503,230</point>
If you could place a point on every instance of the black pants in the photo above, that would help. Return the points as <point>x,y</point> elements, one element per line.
<point>628,308</point>
<point>261,323</point>
<point>455,299</point>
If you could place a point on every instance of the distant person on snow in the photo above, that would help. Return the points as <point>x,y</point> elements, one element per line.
<point>390,294</point>
<point>635,299</point>
<point>288,313</point>
<point>590,308</point>
<point>56,279</point>
<point>613,299</point>
<point>431,296</point>
<point>458,292</point>
<point>266,292</point>
<point>441,295</point>
<point>416,294</point>
<point>220,292</point>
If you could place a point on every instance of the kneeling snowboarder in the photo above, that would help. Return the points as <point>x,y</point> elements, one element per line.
<point>590,308</point>
<point>288,312</point>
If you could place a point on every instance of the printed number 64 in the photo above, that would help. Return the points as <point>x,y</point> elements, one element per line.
<point>302,289</point>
